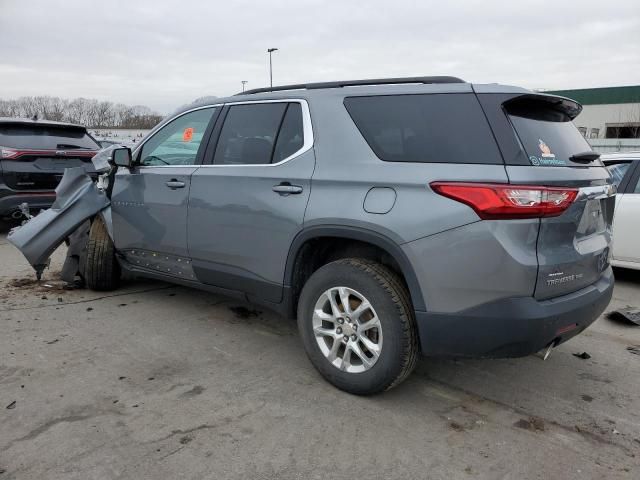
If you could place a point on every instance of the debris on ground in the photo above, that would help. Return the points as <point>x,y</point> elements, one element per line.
<point>23,282</point>
<point>587,398</point>
<point>12,405</point>
<point>53,341</point>
<point>635,349</point>
<point>583,355</point>
<point>629,315</point>
<point>534,424</point>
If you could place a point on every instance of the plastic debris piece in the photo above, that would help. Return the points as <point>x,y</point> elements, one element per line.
<point>629,315</point>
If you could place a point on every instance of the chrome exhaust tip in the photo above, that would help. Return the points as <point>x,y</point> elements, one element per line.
<point>544,354</point>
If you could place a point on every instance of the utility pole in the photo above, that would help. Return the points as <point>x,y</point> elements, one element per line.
<point>270,51</point>
<point>244,82</point>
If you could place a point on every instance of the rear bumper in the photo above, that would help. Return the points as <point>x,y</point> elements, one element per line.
<point>10,200</point>
<point>513,327</point>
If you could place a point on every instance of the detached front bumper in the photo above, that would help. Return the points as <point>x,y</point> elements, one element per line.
<point>513,327</point>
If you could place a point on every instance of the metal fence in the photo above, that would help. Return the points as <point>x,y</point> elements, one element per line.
<point>607,145</point>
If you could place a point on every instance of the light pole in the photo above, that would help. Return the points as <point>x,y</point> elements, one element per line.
<point>270,51</point>
<point>244,82</point>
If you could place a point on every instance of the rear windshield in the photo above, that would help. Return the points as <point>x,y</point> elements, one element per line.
<point>46,138</point>
<point>547,134</point>
<point>433,128</point>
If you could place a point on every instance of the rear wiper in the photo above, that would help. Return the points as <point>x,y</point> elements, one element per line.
<point>67,145</point>
<point>585,157</point>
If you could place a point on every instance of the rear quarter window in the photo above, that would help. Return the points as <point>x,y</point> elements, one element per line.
<point>45,138</point>
<point>425,128</point>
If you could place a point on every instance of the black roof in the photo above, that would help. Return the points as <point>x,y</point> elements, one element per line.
<point>354,83</point>
<point>43,123</point>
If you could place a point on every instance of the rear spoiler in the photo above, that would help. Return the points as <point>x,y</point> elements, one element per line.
<point>562,105</point>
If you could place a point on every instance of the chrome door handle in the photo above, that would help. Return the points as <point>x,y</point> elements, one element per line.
<point>173,184</point>
<point>285,188</point>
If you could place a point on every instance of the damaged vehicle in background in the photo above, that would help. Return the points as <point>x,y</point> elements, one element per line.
<point>392,217</point>
<point>33,157</point>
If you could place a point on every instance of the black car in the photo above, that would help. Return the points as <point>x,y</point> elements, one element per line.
<point>33,156</point>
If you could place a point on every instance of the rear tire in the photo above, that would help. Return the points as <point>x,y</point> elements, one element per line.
<point>102,271</point>
<point>358,365</point>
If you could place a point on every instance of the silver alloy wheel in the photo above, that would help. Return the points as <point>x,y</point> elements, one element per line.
<point>347,329</point>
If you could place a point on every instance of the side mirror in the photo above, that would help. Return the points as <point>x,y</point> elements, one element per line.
<point>122,157</point>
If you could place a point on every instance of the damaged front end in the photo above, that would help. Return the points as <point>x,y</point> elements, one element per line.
<point>78,200</point>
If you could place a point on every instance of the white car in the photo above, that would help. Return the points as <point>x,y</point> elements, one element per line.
<point>625,170</point>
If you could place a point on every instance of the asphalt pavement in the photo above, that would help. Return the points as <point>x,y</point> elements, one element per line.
<point>155,381</point>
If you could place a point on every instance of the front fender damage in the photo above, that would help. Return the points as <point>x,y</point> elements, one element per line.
<point>78,199</point>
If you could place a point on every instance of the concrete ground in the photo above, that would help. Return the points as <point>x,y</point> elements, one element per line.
<point>156,382</point>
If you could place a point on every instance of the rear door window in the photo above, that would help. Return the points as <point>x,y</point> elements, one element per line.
<point>249,134</point>
<point>546,133</point>
<point>291,135</point>
<point>45,138</point>
<point>430,128</point>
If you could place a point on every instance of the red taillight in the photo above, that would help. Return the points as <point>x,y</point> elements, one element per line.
<point>494,201</point>
<point>8,153</point>
<point>12,153</point>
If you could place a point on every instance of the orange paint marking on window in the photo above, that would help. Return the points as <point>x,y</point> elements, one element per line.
<point>187,135</point>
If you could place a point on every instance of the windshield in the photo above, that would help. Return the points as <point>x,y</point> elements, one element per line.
<point>45,137</point>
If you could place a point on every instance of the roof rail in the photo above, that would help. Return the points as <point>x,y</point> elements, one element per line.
<point>355,83</point>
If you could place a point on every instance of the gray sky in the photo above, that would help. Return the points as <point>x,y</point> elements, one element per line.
<point>164,53</point>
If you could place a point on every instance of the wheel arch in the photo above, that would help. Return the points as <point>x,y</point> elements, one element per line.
<point>359,234</point>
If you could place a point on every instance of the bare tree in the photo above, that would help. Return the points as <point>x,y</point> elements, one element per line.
<point>83,111</point>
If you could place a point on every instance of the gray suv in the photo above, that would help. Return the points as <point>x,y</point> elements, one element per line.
<point>392,217</point>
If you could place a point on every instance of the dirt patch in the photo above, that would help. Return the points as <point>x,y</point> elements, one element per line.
<point>533,424</point>
<point>456,427</point>
<point>244,312</point>
<point>24,282</point>
<point>32,284</point>
<point>197,390</point>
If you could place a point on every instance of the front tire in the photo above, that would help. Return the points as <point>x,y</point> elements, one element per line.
<point>357,325</point>
<point>102,271</point>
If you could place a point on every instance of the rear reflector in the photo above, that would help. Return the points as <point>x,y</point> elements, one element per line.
<point>495,201</point>
<point>567,329</point>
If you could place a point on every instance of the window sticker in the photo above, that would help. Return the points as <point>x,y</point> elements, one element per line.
<point>545,150</point>
<point>547,157</point>
<point>187,135</point>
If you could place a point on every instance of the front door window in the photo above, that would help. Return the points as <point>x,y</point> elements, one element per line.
<point>178,142</point>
